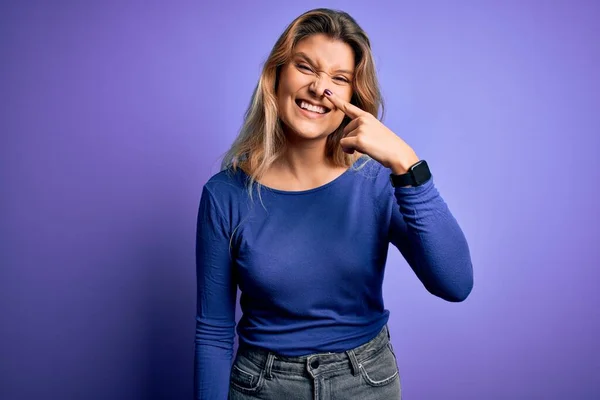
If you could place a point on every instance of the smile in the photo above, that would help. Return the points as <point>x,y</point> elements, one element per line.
<point>310,108</point>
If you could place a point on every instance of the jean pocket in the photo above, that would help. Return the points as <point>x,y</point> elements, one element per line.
<point>246,376</point>
<point>381,368</point>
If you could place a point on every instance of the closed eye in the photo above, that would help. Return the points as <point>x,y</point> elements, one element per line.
<point>307,68</point>
<point>304,67</point>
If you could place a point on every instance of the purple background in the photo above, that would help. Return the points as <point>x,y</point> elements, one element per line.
<point>114,115</point>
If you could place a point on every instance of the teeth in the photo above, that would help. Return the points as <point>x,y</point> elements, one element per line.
<point>310,107</point>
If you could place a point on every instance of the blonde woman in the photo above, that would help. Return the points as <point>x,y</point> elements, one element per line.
<point>300,218</point>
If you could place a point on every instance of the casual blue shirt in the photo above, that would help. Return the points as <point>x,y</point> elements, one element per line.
<point>310,264</point>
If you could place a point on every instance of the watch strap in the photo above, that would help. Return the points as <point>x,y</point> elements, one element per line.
<point>416,175</point>
<point>402,180</point>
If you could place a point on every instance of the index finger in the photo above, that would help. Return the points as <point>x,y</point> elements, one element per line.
<point>347,108</point>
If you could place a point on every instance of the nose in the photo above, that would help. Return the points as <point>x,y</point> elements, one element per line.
<point>318,85</point>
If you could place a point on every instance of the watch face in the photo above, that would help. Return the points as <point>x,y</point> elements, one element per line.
<point>420,172</point>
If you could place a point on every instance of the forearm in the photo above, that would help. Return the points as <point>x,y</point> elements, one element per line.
<point>439,253</point>
<point>212,360</point>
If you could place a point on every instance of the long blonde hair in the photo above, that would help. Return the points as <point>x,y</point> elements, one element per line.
<point>261,140</point>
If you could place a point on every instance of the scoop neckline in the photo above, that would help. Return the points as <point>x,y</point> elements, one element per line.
<point>308,191</point>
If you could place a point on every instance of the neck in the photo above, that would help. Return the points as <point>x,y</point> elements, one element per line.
<point>305,160</point>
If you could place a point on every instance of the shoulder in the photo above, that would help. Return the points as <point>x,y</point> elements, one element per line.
<point>372,174</point>
<point>226,183</point>
<point>227,191</point>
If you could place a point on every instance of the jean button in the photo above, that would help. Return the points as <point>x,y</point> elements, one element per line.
<point>314,363</point>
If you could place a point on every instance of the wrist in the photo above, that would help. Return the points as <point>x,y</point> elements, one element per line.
<point>416,175</point>
<point>400,167</point>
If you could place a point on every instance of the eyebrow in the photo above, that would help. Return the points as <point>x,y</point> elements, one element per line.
<point>310,61</point>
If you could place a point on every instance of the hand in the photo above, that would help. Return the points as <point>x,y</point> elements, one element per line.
<point>366,134</point>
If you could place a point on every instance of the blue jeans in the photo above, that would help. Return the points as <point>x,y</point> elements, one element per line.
<point>367,372</point>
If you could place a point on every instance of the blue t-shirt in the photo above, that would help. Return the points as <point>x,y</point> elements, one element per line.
<point>310,264</point>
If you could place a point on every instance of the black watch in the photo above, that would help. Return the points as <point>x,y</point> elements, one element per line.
<point>417,175</point>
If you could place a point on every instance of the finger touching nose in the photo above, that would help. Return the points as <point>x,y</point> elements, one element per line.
<point>319,85</point>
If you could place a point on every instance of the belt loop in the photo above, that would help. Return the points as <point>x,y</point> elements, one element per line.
<point>269,364</point>
<point>388,331</point>
<point>353,361</point>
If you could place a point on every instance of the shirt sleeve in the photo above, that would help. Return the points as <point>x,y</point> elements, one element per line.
<point>216,297</point>
<point>430,239</point>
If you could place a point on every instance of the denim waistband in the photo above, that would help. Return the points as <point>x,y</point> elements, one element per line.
<point>317,362</point>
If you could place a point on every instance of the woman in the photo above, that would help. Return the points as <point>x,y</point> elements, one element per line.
<point>335,187</point>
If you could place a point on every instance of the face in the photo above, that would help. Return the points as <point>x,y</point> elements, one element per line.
<point>317,63</point>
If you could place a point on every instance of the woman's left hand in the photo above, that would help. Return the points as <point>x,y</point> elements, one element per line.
<point>366,134</point>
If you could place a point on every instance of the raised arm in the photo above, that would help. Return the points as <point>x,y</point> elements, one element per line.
<point>431,241</point>
<point>216,291</point>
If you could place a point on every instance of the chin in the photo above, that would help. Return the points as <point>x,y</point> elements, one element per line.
<point>307,129</point>
<point>298,132</point>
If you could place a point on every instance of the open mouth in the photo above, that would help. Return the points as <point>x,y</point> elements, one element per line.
<point>310,107</point>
